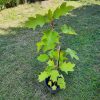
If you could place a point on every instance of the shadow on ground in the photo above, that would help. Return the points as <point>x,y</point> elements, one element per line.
<point>19,68</point>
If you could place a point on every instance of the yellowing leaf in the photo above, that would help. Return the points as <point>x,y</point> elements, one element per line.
<point>61,83</point>
<point>72,53</point>
<point>62,56</point>
<point>43,76</point>
<point>54,74</point>
<point>54,87</point>
<point>53,54</point>
<point>39,45</point>
<point>43,57</point>
<point>50,83</point>
<point>66,67</point>
<point>68,30</point>
<point>50,63</point>
<point>49,68</point>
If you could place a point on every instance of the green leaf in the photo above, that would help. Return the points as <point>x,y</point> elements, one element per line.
<point>62,56</point>
<point>50,83</point>
<point>39,45</point>
<point>53,54</point>
<point>68,30</point>
<point>62,10</point>
<point>49,14</point>
<point>54,74</point>
<point>57,13</point>
<point>49,68</point>
<point>43,76</point>
<point>43,57</point>
<point>72,53</point>
<point>40,20</point>
<point>34,22</point>
<point>65,9</point>
<point>54,87</point>
<point>66,67</point>
<point>31,23</point>
<point>50,39</point>
<point>61,83</point>
<point>50,63</point>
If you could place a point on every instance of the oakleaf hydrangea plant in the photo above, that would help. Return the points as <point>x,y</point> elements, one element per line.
<point>55,58</point>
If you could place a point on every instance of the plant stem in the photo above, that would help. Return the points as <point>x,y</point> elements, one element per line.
<point>52,24</point>
<point>59,49</point>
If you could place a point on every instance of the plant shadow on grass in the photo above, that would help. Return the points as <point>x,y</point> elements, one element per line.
<point>19,67</point>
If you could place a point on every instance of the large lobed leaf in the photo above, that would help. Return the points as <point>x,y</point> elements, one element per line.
<point>61,83</point>
<point>48,40</point>
<point>54,87</point>
<point>72,53</point>
<point>39,45</point>
<point>66,67</point>
<point>68,30</point>
<point>51,38</point>
<point>54,54</point>
<point>54,75</point>
<point>50,63</point>
<point>40,20</point>
<point>43,57</point>
<point>62,10</point>
<point>43,76</point>
<point>50,66</point>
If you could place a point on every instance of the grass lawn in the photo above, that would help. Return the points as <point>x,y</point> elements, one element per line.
<point>19,68</point>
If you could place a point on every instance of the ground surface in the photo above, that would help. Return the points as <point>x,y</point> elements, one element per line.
<point>19,67</point>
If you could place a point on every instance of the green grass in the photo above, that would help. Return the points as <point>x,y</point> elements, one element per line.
<point>19,68</point>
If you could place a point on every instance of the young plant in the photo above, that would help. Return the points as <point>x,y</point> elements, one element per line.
<point>56,59</point>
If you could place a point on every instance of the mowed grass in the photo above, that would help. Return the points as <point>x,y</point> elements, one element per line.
<point>19,68</point>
